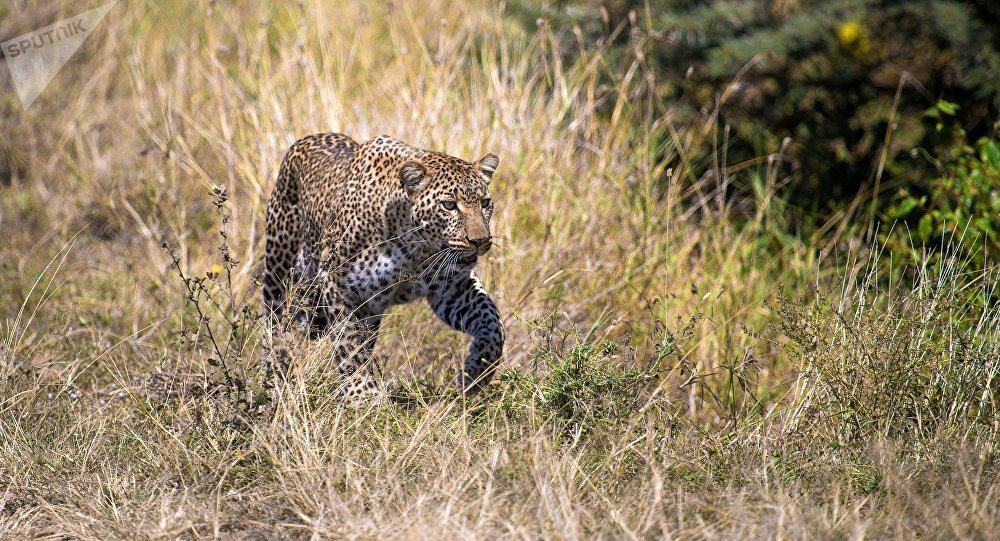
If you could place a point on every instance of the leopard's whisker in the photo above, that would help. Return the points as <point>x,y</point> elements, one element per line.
<point>440,254</point>
<point>451,265</point>
<point>445,264</point>
<point>440,264</point>
<point>434,268</point>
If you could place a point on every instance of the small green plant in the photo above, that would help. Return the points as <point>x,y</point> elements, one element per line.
<point>222,324</point>
<point>962,202</point>
<point>584,388</point>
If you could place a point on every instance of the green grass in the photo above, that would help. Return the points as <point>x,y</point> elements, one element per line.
<point>679,364</point>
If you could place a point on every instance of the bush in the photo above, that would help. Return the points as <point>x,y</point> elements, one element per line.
<point>961,202</point>
<point>581,390</point>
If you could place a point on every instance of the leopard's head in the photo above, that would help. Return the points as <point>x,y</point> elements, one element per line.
<point>451,203</point>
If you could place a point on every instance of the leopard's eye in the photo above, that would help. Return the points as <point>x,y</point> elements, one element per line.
<point>486,202</point>
<point>449,205</point>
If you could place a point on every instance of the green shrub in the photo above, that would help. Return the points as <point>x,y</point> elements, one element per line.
<point>582,389</point>
<point>961,202</point>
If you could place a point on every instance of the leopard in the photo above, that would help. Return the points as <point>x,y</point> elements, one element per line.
<point>353,229</point>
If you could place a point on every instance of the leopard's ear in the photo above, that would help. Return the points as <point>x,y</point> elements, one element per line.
<point>411,176</point>
<point>488,164</point>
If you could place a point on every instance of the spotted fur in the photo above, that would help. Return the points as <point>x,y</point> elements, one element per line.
<point>372,225</point>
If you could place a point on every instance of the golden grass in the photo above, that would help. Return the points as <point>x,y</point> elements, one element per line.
<point>608,233</point>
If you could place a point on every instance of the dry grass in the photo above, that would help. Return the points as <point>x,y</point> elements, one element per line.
<point>647,394</point>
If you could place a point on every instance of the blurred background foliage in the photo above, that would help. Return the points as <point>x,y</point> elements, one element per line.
<point>883,112</point>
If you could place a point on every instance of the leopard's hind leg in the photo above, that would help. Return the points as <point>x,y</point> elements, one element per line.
<point>284,239</point>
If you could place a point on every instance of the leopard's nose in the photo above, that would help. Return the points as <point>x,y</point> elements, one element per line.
<point>481,244</point>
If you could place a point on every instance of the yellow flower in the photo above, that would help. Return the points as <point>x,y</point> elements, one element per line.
<point>849,32</point>
<point>852,35</point>
<point>217,269</point>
